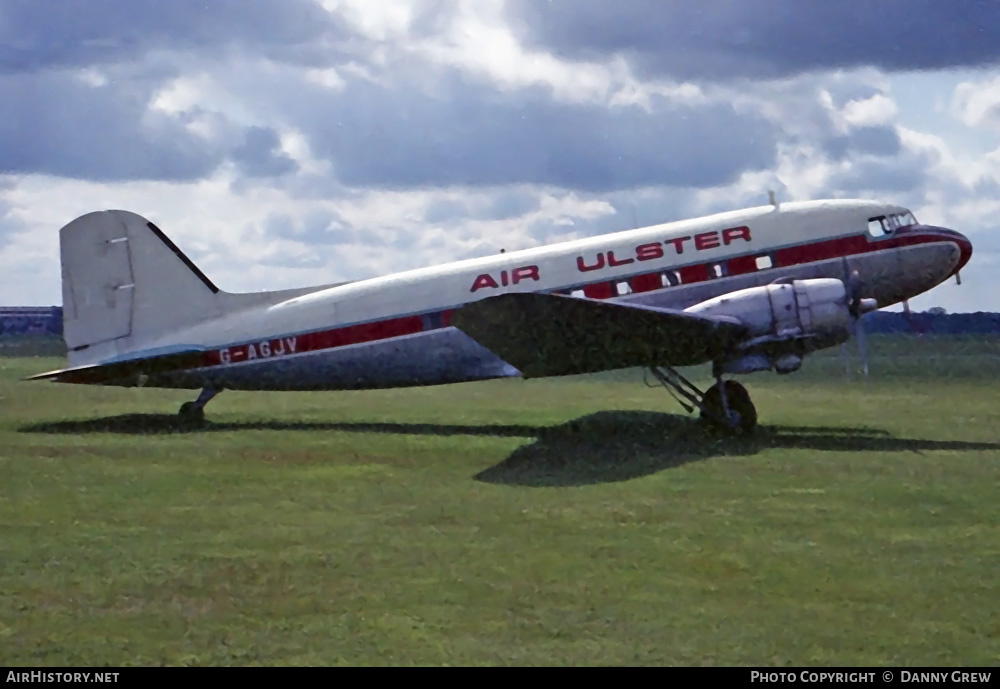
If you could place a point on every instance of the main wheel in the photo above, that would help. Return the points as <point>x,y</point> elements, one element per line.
<point>190,412</point>
<point>740,406</point>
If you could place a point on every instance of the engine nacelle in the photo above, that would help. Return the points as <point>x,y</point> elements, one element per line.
<point>786,321</point>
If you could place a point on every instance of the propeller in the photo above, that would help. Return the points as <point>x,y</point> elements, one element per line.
<point>857,306</point>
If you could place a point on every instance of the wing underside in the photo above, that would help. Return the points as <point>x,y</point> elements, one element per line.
<point>555,335</point>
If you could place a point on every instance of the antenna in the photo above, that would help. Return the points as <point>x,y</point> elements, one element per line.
<point>772,199</point>
<point>635,218</point>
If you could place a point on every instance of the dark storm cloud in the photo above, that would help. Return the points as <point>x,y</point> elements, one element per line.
<point>66,33</point>
<point>52,123</point>
<point>726,39</point>
<point>462,132</point>
<point>57,125</point>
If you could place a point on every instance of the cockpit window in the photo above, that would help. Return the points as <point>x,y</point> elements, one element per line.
<point>887,224</point>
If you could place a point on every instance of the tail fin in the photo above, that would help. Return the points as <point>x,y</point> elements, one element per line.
<point>125,282</point>
<point>125,285</point>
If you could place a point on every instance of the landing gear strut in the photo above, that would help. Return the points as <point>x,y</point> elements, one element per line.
<point>195,411</point>
<point>726,405</point>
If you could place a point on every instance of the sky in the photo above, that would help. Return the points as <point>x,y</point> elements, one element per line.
<point>287,143</point>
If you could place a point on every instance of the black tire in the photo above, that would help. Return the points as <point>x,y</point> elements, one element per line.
<point>738,400</point>
<point>191,413</point>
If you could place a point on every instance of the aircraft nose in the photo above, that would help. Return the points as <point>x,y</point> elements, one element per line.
<point>965,246</point>
<point>959,239</point>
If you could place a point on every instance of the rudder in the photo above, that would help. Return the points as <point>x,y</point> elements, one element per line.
<point>124,282</point>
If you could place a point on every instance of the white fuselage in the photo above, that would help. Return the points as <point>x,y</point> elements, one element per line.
<point>394,331</point>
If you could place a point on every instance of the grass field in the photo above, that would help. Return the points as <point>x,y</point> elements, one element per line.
<point>576,521</point>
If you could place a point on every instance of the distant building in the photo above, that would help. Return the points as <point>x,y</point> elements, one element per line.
<point>30,320</point>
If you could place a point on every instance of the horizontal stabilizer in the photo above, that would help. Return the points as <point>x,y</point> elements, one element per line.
<point>554,335</point>
<point>119,371</point>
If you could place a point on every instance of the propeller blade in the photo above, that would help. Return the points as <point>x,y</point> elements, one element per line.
<point>857,306</point>
<point>852,286</point>
<point>846,358</point>
<point>859,335</point>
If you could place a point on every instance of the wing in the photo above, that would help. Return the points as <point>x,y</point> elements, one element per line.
<point>123,370</point>
<point>555,335</point>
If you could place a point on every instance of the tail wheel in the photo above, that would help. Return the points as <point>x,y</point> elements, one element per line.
<point>739,403</point>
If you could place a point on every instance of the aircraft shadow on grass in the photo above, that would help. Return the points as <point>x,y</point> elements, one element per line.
<point>604,447</point>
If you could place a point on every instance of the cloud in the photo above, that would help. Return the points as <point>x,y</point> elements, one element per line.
<point>64,33</point>
<point>871,110</point>
<point>456,130</point>
<point>55,124</point>
<point>978,104</point>
<point>870,175</point>
<point>110,89</point>
<point>10,223</point>
<point>260,154</point>
<point>316,226</point>
<point>58,124</point>
<point>287,144</point>
<point>766,39</point>
<point>879,140</point>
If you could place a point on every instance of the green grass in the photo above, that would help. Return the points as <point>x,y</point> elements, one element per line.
<point>575,521</point>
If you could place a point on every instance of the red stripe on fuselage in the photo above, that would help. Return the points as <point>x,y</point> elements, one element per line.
<point>645,283</point>
<point>600,289</point>
<point>741,265</point>
<point>821,251</point>
<point>696,273</point>
<point>312,342</point>
<point>850,246</point>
